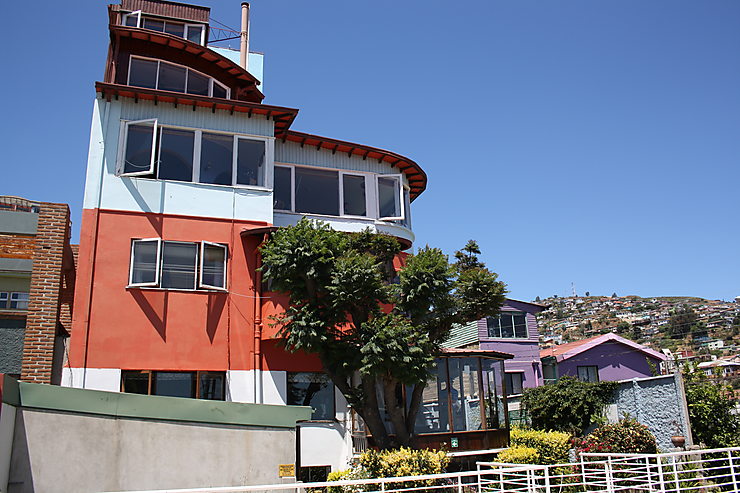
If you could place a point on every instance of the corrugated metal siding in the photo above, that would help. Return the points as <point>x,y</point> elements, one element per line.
<point>462,335</point>
<point>293,153</point>
<point>202,118</point>
<point>168,9</point>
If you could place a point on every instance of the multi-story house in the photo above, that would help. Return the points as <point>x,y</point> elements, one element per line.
<point>515,331</point>
<point>188,173</point>
<point>37,277</point>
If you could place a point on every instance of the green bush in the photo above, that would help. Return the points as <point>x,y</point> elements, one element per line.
<point>624,436</point>
<point>518,454</point>
<point>551,446</point>
<point>567,405</point>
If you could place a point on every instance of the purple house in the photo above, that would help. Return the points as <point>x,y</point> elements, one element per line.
<point>607,357</point>
<point>515,332</point>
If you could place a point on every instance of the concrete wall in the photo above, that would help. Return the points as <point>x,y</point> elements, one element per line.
<point>12,335</point>
<point>657,402</point>
<point>56,452</point>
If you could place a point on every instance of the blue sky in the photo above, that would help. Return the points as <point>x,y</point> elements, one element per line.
<point>595,143</point>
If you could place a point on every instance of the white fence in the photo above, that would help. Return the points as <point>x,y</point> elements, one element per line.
<point>705,471</point>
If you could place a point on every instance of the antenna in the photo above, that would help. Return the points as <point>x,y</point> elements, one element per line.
<point>573,289</point>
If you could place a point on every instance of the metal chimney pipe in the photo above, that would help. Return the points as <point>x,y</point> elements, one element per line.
<point>244,47</point>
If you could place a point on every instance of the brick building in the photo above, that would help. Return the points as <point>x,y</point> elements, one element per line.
<point>37,276</point>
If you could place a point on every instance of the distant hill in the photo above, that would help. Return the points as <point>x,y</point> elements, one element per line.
<point>665,322</point>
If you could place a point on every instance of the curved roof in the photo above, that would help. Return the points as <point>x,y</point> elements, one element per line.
<point>220,67</point>
<point>416,176</point>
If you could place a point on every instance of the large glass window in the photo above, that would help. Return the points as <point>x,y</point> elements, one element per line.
<point>312,190</point>
<point>175,154</point>
<point>209,385</point>
<point>169,153</point>
<point>283,188</point>
<point>14,300</point>
<point>317,191</point>
<point>469,390</point>
<point>178,265</point>
<point>353,195</point>
<point>250,161</point>
<point>508,325</point>
<point>165,76</point>
<point>312,389</point>
<point>216,159</point>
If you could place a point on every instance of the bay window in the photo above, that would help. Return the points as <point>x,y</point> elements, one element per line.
<point>165,76</point>
<point>310,190</point>
<point>178,264</point>
<point>167,153</point>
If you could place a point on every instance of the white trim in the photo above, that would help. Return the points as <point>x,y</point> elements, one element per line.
<point>225,248</point>
<point>131,284</point>
<point>137,13</point>
<point>155,145</point>
<point>399,180</point>
<point>202,32</point>
<point>368,206</point>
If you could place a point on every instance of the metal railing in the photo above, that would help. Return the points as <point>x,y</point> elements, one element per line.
<point>715,470</point>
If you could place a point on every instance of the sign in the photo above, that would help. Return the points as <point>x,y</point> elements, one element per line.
<point>286,470</point>
<point>453,442</point>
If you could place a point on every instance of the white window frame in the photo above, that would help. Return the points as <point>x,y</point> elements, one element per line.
<point>368,203</point>
<point>510,391</point>
<point>157,261</point>
<point>4,300</point>
<point>225,248</point>
<point>155,145</point>
<point>195,265</point>
<point>137,13</point>
<point>202,32</point>
<point>187,73</point>
<point>399,179</point>
<point>268,175</point>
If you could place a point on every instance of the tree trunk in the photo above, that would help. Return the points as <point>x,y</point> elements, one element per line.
<point>396,413</point>
<point>416,398</point>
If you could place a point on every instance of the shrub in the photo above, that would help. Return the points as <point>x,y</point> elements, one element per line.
<point>567,405</point>
<point>403,462</point>
<point>624,436</point>
<point>551,446</point>
<point>518,454</point>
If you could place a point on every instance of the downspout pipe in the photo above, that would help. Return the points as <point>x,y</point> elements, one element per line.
<point>244,44</point>
<point>258,324</point>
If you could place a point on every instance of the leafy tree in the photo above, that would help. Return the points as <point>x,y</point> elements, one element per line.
<point>623,326</point>
<point>614,295</point>
<point>374,328</point>
<point>713,421</point>
<point>568,405</point>
<point>537,299</point>
<point>588,294</point>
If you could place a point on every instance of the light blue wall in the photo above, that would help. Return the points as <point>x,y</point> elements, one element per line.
<point>256,62</point>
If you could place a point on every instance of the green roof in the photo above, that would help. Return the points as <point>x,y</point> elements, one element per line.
<point>462,335</point>
<point>135,406</point>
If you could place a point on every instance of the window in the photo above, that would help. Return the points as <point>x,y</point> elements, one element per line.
<point>150,150</point>
<point>191,32</point>
<point>209,385</point>
<point>508,325</point>
<point>165,76</point>
<point>178,264</point>
<point>312,389</point>
<point>327,192</point>
<point>4,297</point>
<point>588,373</point>
<point>514,383</point>
<point>18,301</point>
<point>390,197</point>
